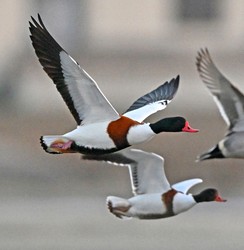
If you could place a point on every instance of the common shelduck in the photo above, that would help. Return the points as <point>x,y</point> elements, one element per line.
<point>230,102</point>
<point>100,129</point>
<point>154,197</point>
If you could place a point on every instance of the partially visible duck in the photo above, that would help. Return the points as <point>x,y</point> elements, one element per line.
<point>154,197</point>
<point>230,102</point>
<point>100,128</point>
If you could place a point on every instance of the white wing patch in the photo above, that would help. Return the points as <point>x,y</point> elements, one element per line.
<point>184,186</point>
<point>142,113</point>
<point>89,101</point>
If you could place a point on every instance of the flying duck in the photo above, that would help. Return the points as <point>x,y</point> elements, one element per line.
<point>230,102</point>
<point>100,129</point>
<point>154,197</point>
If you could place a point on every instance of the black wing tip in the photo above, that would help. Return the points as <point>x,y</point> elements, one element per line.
<point>38,27</point>
<point>36,24</point>
<point>176,81</point>
<point>168,88</point>
<point>40,36</point>
<point>172,87</point>
<point>177,78</point>
<point>165,91</point>
<point>39,19</point>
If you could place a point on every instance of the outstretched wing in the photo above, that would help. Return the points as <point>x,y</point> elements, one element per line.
<point>146,169</point>
<point>81,94</point>
<point>156,100</point>
<point>228,98</point>
<point>184,186</point>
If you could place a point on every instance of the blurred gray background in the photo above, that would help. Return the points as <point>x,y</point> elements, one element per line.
<point>129,48</point>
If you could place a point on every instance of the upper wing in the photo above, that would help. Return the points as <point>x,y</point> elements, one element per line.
<point>184,186</point>
<point>146,169</point>
<point>154,101</point>
<point>229,99</point>
<point>83,97</point>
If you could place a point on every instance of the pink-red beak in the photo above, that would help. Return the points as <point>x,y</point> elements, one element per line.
<point>189,129</point>
<point>218,198</point>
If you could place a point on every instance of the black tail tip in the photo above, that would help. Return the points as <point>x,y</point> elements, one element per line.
<point>45,147</point>
<point>213,153</point>
<point>110,206</point>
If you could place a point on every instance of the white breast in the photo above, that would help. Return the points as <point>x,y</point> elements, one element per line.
<point>232,145</point>
<point>182,202</point>
<point>139,133</point>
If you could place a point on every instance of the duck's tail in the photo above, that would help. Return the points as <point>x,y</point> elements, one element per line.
<point>118,206</point>
<point>214,152</point>
<point>56,144</point>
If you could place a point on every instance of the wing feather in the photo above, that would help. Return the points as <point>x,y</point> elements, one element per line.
<point>80,92</point>
<point>228,98</point>
<point>184,186</point>
<point>156,100</point>
<point>146,169</point>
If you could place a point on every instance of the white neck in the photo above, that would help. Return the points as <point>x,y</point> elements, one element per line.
<point>139,133</point>
<point>183,202</point>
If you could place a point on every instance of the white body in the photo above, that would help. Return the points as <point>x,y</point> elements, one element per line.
<point>96,135</point>
<point>92,135</point>
<point>151,206</point>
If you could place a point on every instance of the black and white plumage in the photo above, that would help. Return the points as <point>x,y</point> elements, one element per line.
<point>154,197</point>
<point>230,102</point>
<point>100,129</point>
<point>80,92</point>
<point>157,99</point>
